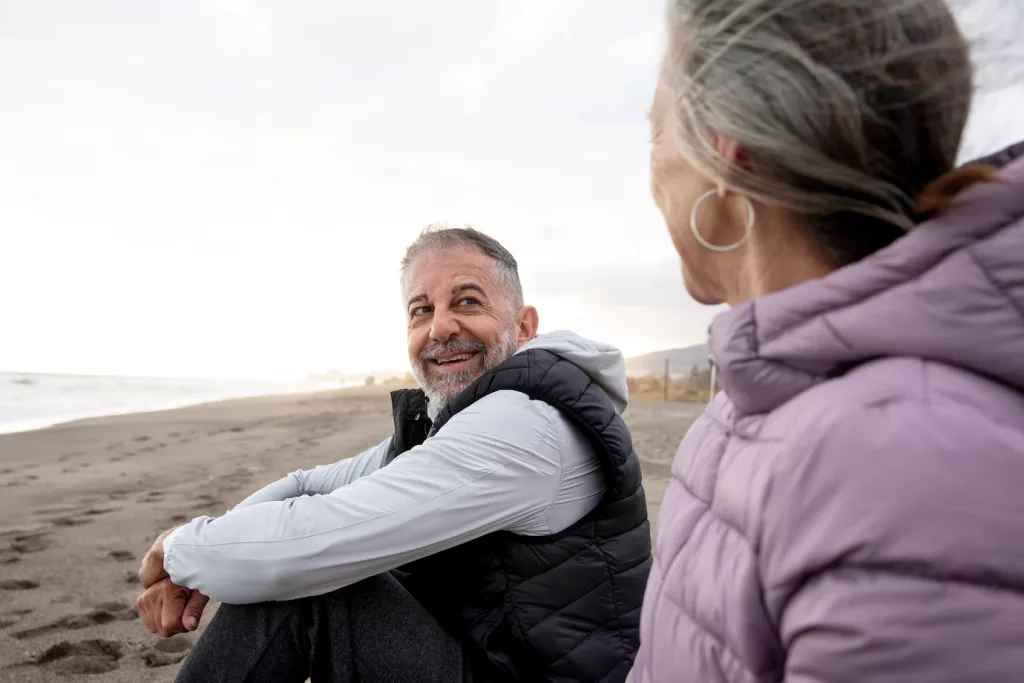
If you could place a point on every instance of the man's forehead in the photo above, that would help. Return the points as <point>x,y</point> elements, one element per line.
<point>449,269</point>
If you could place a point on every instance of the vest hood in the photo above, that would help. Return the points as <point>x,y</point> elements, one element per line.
<point>603,363</point>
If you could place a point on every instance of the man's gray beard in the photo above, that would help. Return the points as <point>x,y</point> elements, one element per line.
<point>440,389</point>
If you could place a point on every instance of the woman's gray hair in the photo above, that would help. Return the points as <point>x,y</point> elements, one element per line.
<point>845,109</point>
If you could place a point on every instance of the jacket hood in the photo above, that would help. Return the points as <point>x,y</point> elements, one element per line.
<point>602,362</point>
<point>951,291</point>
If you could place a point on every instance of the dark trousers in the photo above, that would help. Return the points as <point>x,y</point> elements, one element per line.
<point>371,632</point>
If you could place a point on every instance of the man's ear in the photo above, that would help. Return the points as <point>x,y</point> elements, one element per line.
<point>526,324</point>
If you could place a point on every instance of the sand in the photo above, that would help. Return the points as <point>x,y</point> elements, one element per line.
<point>81,503</point>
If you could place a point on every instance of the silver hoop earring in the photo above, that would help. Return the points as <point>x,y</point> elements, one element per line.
<point>715,247</point>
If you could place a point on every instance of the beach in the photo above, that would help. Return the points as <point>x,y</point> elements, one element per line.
<point>80,503</point>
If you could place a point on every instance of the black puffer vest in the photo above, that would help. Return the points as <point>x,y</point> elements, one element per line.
<point>555,608</point>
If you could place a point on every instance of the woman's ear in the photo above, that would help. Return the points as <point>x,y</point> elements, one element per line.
<point>731,151</point>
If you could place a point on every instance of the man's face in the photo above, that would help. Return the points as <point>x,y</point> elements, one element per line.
<point>460,321</point>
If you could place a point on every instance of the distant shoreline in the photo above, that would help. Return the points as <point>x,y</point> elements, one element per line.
<point>37,424</point>
<point>30,402</point>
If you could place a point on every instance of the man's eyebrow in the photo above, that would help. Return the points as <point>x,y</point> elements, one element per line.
<point>468,287</point>
<point>416,299</point>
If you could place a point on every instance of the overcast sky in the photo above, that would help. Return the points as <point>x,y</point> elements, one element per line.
<point>225,188</point>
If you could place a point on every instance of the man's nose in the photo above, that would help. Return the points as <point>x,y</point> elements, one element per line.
<point>444,326</point>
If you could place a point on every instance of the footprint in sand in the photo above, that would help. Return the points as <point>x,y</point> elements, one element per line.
<point>14,616</point>
<point>18,585</point>
<point>10,532</point>
<point>85,657</point>
<point>69,521</point>
<point>102,614</point>
<point>69,456</point>
<point>121,555</point>
<point>207,501</point>
<point>76,516</point>
<point>166,652</point>
<point>31,542</point>
<point>59,509</point>
<point>141,439</point>
<point>96,656</point>
<point>235,479</point>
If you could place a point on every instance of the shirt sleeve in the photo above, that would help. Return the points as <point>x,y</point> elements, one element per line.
<point>495,465</point>
<point>322,479</point>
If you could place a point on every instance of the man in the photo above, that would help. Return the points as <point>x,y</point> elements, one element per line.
<point>500,534</point>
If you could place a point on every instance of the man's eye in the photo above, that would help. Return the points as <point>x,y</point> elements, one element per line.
<point>467,301</point>
<point>419,310</point>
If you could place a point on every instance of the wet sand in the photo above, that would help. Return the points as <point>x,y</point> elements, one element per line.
<point>81,503</point>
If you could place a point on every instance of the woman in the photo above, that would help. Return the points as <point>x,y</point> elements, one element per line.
<point>851,506</point>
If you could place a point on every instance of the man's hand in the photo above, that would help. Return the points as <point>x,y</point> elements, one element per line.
<point>168,609</point>
<point>153,563</point>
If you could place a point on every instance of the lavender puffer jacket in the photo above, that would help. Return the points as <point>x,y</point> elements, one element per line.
<point>851,508</point>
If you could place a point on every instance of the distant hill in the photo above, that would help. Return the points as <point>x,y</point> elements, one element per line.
<point>680,362</point>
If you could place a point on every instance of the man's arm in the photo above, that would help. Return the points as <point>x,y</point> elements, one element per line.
<point>322,479</point>
<point>495,465</point>
<point>319,480</point>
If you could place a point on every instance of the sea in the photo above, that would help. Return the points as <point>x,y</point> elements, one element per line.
<point>33,401</point>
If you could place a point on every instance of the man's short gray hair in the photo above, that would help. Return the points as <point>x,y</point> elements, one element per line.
<point>439,237</point>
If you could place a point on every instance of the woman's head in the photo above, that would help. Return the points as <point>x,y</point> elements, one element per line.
<point>830,116</point>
